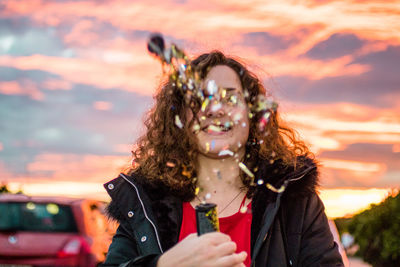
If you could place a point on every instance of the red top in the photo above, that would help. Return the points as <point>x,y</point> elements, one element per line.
<point>237,226</point>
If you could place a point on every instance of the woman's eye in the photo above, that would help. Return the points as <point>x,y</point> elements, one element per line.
<point>232,99</point>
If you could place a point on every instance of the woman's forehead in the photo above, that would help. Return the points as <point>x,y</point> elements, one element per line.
<point>224,76</point>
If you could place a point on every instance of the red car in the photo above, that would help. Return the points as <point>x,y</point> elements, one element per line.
<point>52,231</point>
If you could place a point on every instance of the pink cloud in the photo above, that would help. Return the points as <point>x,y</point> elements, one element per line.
<point>102,105</point>
<point>371,20</point>
<point>130,68</point>
<point>139,76</point>
<point>25,87</point>
<point>72,167</point>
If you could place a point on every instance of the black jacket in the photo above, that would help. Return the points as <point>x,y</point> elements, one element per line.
<point>288,228</point>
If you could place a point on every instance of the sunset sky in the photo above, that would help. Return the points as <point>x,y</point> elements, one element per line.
<point>76,81</point>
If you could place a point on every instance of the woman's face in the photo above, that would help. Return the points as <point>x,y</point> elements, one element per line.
<point>223,117</point>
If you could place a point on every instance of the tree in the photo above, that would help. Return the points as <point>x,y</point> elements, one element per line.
<point>4,189</point>
<point>377,232</point>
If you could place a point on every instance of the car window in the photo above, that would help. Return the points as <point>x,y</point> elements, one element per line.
<point>37,217</point>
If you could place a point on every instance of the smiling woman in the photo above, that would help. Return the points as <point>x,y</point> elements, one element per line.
<point>214,136</point>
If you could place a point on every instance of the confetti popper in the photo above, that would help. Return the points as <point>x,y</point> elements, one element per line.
<point>206,218</point>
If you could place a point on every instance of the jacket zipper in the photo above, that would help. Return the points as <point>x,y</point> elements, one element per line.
<point>144,210</point>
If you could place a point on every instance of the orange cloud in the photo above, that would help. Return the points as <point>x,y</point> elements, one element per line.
<point>370,20</point>
<point>349,123</point>
<point>93,190</point>
<point>346,201</point>
<point>351,165</point>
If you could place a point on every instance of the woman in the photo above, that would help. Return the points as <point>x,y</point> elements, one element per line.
<point>220,147</point>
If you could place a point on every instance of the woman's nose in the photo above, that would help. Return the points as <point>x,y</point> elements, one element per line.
<point>215,109</point>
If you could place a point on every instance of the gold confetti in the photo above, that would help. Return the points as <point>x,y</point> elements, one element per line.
<point>223,93</point>
<point>274,189</point>
<point>204,104</point>
<point>245,169</point>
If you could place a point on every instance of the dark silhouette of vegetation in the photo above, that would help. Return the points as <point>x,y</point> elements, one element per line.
<point>4,189</point>
<point>377,232</point>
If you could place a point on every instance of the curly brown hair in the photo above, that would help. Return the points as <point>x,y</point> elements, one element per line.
<point>166,154</point>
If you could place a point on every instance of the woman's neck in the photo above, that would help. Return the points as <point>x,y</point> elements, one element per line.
<point>219,182</point>
<point>221,174</point>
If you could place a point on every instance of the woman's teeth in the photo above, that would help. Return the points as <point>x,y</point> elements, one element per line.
<point>215,128</point>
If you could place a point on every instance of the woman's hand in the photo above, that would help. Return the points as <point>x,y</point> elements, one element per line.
<point>211,249</point>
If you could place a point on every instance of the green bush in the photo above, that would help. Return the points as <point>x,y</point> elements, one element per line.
<point>377,232</point>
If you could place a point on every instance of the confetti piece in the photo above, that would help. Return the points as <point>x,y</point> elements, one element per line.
<point>212,144</point>
<point>233,99</point>
<point>178,122</point>
<point>212,87</point>
<point>274,189</point>
<point>260,182</point>
<point>204,104</point>
<point>243,209</point>
<point>208,196</point>
<point>197,190</point>
<point>170,164</point>
<point>219,174</point>
<point>207,146</point>
<point>245,169</point>
<point>185,172</point>
<point>225,152</point>
<point>223,93</point>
